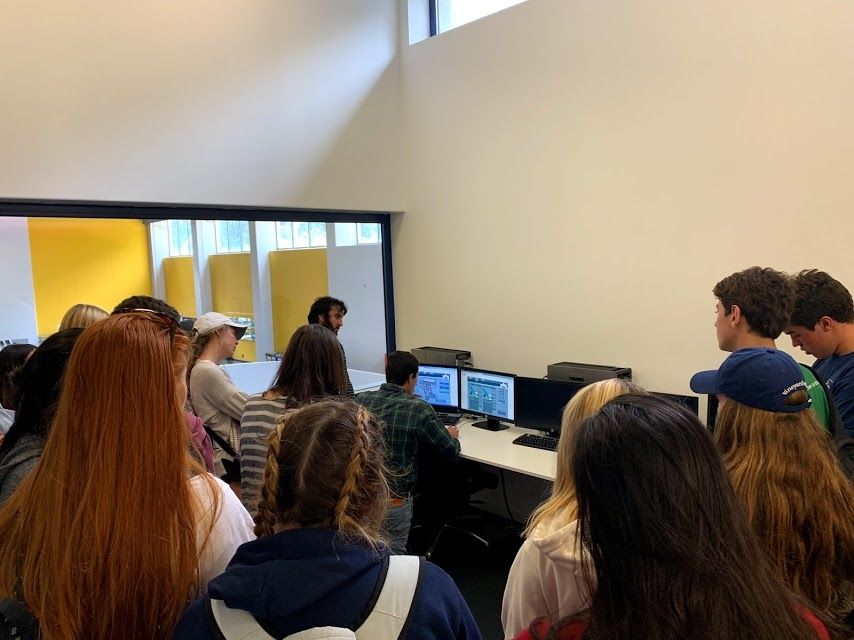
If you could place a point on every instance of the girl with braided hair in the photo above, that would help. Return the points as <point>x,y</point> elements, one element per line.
<point>320,559</point>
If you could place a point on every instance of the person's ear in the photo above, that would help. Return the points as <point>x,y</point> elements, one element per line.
<point>825,323</point>
<point>734,315</point>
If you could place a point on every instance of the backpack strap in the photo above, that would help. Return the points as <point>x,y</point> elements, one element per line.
<point>387,619</point>
<point>225,623</point>
<point>224,444</point>
<point>392,611</point>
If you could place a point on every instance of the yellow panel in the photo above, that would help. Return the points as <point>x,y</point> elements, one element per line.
<point>231,284</point>
<point>180,278</point>
<point>231,290</point>
<point>93,261</point>
<point>297,277</point>
<point>245,351</point>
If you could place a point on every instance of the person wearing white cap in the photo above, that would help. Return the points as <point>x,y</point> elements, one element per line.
<point>215,398</point>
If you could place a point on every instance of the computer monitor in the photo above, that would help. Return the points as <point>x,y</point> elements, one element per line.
<point>712,412</point>
<point>540,402</point>
<point>439,386</point>
<point>692,403</point>
<point>490,394</point>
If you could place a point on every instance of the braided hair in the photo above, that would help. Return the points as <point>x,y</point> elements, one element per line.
<point>325,470</point>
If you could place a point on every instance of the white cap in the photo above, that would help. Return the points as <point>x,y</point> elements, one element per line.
<point>211,321</point>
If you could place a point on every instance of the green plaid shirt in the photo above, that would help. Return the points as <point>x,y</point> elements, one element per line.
<point>409,422</point>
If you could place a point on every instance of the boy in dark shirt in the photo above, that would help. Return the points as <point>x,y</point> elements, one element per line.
<point>822,325</point>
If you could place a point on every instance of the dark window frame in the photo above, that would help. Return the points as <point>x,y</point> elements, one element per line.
<point>155,211</point>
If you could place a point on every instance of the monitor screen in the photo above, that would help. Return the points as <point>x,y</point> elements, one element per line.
<point>440,386</point>
<point>540,402</point>
<point>692,403</point>
<point>712,412</point>
<point>488,393</point>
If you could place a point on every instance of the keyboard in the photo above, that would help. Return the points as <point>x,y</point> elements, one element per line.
<point>537,442</point>
<point>449,419</point>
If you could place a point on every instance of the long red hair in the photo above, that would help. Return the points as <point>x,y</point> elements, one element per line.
<point>100,539</point>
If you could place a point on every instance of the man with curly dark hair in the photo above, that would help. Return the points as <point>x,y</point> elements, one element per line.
<point>753,309</point>
<point>822,324</point>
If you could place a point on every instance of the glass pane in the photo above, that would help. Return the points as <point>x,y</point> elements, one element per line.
<point>301,237</point>
<point>369,233</point>
<point>222,236</point>
<point>317,234</point>
<point>232,236</point>
<point>345,234</point>
<point>453,13</point>
<point>180,238</point>
<point>174,242</point>
<point>284,235</point>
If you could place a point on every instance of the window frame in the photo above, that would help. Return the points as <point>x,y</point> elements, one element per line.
<point>155,212</point>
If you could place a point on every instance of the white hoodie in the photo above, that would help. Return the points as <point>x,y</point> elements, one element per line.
<point>545,579</point>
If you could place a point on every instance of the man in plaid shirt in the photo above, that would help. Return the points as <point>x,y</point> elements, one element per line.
<point>409,423</point>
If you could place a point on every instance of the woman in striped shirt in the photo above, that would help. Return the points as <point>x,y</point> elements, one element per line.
<point>312,368</point>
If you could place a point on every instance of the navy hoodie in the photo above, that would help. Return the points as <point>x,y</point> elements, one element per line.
<point>306,578</point>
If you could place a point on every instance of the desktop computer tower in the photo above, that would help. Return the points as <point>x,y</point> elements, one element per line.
<point>443,357</point>
<point>585,373</point>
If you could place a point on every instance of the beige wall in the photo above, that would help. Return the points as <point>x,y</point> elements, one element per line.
<point>576,175</point>
<point>580,174</point>
<point>269,102</point>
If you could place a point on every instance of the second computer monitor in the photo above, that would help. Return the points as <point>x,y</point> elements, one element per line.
<point>439,386</point>
<point>540,402</point>
<point>490,394</point>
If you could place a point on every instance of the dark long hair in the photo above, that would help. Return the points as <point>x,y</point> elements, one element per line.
<point>671,549</point>
<point>12,359</point>
<point>39,382</point>
<point>312,367</point>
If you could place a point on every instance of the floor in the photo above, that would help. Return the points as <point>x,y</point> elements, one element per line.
<point>481,572</point>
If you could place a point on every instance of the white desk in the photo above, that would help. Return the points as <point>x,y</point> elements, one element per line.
<point>255,377</point>
<point>496,448</point>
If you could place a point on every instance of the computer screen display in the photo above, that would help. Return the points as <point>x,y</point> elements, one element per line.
<point>439,386</point>
<point>488,393</point>
<point>540,402</point>
<point>690,402</point>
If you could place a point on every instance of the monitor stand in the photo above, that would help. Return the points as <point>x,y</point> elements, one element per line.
<point>491,424</point>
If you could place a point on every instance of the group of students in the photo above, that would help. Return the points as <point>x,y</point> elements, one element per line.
<point>656,528</point>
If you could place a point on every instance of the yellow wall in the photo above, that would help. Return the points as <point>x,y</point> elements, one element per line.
<point>180,278</point>
<point>93,261</point>
<point>297,277</point>
<point>231,290</point>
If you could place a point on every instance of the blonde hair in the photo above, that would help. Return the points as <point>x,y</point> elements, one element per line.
<point>797,498</point>
<point>325,469</point>
<point>81,316</point>
<point>584,404</point>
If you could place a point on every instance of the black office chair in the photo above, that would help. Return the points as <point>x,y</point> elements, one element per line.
<point>443,502</point>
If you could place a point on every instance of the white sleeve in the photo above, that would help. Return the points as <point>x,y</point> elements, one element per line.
<point>232,528</point>
<point>523,600</point>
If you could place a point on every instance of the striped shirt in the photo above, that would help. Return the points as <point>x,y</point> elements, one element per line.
<point>258,421</point>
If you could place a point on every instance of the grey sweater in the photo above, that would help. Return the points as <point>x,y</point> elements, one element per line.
<point>18,462</point>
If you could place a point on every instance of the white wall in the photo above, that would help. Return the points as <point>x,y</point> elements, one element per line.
<point>17,304</point>
<point>577,174</point>
<point>580,173</point>
<point>356,276</point>
<point>269,102</point>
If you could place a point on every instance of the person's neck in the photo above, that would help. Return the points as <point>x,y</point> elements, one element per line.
<point>846,339</point>
<point>210,352</point>
<point>751,340</point>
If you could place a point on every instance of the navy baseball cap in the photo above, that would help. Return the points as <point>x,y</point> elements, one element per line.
<point>758,377</point>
